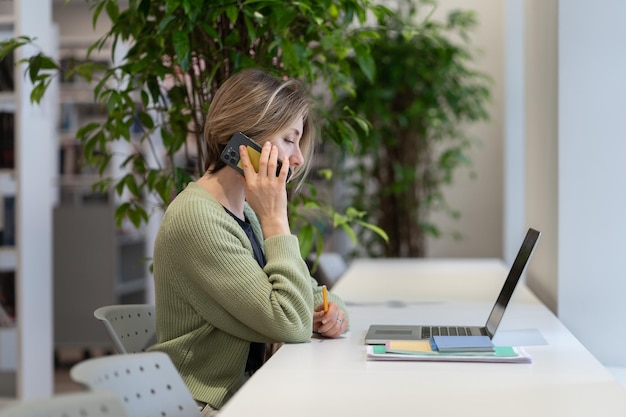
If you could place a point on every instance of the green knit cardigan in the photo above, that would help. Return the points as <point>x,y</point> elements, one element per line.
<point>213,299</point>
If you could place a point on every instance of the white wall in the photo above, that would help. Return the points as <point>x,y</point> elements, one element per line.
<point>541,146</point>
<point>478,192</point>
<point>592,174</point>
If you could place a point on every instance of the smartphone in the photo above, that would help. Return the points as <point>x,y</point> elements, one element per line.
<point>230,154</point>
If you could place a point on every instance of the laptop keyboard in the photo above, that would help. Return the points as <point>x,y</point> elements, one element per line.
<point>428,332</point>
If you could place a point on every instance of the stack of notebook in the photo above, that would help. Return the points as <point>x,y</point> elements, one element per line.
<point>448,348</point>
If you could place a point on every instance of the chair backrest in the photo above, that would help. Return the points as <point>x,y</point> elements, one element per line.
<point>330,267</point>
<point>80,404</point>
<point>147,383</point>
<point>131,326</point>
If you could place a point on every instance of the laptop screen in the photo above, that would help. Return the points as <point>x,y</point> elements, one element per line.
<point>523,255</point>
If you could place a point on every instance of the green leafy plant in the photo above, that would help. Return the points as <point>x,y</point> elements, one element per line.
<point>419,101</point>
<point>176,53</point>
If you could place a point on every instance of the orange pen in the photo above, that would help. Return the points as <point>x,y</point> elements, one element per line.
<point>325,294</point>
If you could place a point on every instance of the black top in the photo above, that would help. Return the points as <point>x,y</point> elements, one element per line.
<point>256,355</point>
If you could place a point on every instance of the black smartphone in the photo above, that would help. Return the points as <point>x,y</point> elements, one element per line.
<point>230,154</point>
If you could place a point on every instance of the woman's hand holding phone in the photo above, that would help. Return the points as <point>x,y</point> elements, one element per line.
<point>230,154</point>
<point>265,192</point>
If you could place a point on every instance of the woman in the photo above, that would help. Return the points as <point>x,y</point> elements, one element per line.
<point>228,272</point>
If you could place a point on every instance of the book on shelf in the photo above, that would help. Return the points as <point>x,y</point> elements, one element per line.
<point>5,318</point>
<point>70,155</point>
<point>7,298</point>
<point>8,219</point>
<point>7,70</point>
<point>7,140</point>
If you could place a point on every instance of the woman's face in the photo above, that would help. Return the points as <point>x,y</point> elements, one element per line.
<point>288,143</point>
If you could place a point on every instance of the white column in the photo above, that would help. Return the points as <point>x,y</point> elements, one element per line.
<point>36,152</point>
<point>514,130</point>
<point>592,174</point>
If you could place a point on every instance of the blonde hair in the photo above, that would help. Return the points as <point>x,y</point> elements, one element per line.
<point>260,106</point>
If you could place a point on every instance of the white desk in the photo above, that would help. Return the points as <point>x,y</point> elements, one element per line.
<point>332,377</point>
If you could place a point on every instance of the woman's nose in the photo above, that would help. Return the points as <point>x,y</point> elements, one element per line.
<point>296,159</point>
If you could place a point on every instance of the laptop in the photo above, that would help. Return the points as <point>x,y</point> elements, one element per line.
<point>379,334</point>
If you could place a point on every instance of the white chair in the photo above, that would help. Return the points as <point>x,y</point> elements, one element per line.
<point>81,404</point>
<point>147,383</point>
<point>330,267</point>
<point>131,326</point>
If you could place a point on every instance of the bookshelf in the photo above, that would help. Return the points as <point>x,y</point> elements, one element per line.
<point>27,195</point>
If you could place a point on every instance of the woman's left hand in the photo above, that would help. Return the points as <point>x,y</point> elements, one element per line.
<point>332,323</point>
